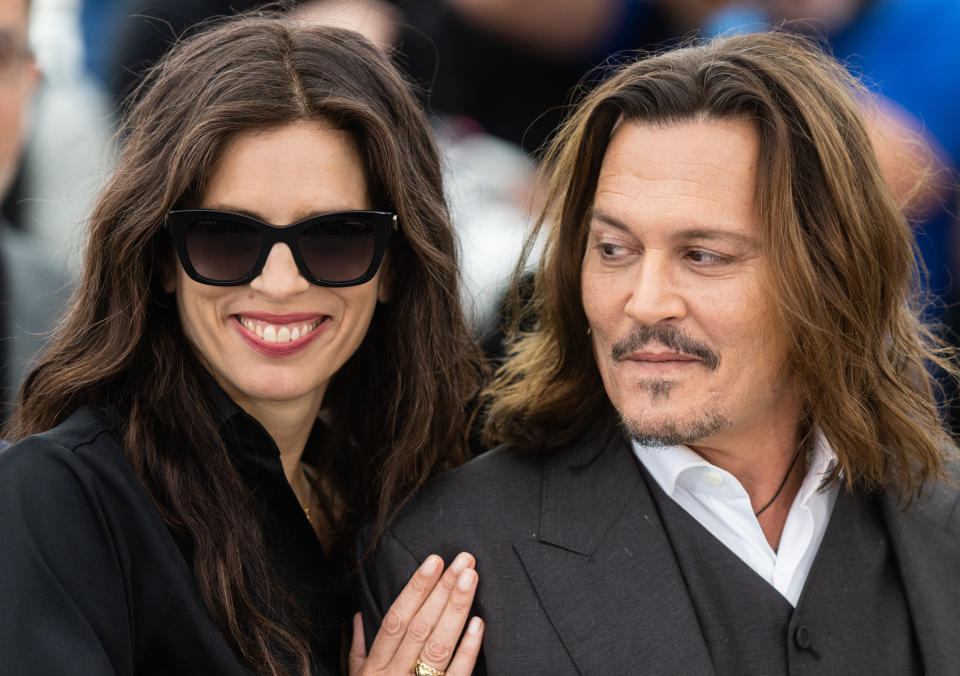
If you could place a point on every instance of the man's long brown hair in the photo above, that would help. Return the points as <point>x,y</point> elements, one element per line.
<point>396,409</point>
<point>843,266</point>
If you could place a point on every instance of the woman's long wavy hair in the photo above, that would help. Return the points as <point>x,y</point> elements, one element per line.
<point>843,267</point>
<point>396,409</point>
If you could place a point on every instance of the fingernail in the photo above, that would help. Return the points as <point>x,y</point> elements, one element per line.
<point>461,562</point>
<point>429,566</point>
<point>465,581</point>
<point>476,624</point>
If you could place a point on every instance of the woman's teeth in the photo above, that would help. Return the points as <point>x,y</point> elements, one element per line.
<point>279,333</point>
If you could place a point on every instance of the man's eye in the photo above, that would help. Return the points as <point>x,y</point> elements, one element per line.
<point>706,257</point>
<point>608,250</point>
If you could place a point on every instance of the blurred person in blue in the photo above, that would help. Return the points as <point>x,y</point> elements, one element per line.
<point>140,32</point>
<point>32,290</point>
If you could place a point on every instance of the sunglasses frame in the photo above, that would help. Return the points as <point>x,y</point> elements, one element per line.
<point>180,220</point>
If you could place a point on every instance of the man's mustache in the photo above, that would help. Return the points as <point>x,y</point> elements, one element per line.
<point>670,337</point>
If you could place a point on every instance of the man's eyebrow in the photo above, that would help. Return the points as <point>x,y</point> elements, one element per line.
<point>716,234</point>
<point>598,215</point>
<point>693,232</point>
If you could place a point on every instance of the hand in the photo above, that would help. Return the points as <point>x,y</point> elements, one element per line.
<point>424,623</point>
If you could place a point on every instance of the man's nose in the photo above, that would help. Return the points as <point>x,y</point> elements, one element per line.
<point>655,296</point>
<point>280,275</point>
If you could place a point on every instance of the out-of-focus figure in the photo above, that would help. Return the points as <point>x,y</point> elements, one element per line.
<point>67,153</point>
<point>31,290</point>
<point>146,29</point>
<point>18,77</point>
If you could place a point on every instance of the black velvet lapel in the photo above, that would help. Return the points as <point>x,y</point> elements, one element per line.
<point>604,571</point>
<point>926,542</point>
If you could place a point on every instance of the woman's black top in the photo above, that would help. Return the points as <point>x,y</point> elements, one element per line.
<point>93,582</point>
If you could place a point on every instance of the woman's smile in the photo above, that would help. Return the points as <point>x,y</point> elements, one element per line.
<point>279,335</point>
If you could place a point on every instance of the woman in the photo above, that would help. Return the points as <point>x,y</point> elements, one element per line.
<point>180,508</point>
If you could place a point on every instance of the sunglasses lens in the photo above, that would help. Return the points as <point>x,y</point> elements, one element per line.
<point>221,249</point>
<point>338,251</point>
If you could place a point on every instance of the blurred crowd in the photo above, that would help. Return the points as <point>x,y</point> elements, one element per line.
<point>497,77</point>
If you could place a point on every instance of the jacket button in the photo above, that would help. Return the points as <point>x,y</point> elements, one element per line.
<point>802,638</point>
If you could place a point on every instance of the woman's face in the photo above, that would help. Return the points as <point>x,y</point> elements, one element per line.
<point>279,339</point>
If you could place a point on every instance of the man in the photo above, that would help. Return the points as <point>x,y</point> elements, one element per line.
<point>721,449</point>
<point>18,76</point>
<point>31,290</point>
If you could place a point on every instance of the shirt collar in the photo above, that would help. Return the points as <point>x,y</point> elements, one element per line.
<point>821,462</point>
<point>667,463</point>
<point>243,434</point>
<point>222,407</point>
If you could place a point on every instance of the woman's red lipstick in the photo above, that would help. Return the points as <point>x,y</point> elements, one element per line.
<point>279,336</point>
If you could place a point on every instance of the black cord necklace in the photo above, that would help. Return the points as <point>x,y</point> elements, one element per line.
<point>782,483</point>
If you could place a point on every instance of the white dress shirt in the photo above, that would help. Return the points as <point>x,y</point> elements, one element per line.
<point>715,498</point>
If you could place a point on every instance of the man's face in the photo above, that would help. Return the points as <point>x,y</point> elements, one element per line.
<point>17,78</point>
<point>676,290</point>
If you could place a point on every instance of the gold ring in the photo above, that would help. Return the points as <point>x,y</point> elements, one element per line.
<point>421,668</point>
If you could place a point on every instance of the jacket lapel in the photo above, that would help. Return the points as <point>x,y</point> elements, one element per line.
<point>926,540</point>
<point>604,571</point>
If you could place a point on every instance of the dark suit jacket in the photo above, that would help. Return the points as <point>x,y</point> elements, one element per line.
<point>576,574</point>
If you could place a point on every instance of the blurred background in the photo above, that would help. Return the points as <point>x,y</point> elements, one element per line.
<point>497,77</point>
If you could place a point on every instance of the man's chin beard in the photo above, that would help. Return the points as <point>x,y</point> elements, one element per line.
<point>673,432</point>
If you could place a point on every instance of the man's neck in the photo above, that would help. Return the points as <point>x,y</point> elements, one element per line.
<point>769,469</point>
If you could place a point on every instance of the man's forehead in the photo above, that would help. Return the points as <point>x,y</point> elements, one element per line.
<point>696,177</point>
<point>700,139</point>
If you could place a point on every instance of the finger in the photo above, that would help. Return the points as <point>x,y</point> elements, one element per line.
<point>438,649</point>
<point>395,622</point>
<point>424,622</point>
<point>466,657</point>
<point>358,651</point>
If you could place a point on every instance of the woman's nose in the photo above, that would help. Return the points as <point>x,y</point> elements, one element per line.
<point>280,275</point>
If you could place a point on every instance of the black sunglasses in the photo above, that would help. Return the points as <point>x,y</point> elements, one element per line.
<point>222,248</point>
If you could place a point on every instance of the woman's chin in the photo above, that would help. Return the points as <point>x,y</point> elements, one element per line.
<point>274,389</point>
